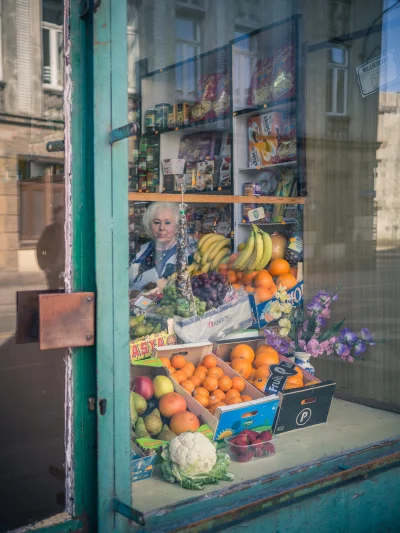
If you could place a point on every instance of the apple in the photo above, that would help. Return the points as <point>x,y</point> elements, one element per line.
<point>144,386</point>
<point>162,385</point>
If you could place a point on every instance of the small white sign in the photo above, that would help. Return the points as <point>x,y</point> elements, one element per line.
<point>256,214</point>
<point>377,73</point>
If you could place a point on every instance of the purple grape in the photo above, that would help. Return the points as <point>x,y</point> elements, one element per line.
<point>219,287</point>
<point>207,284</point>
<point>202,277</point>
<point>195,285</point>
<point>197,292</point>
<point>213,294</point>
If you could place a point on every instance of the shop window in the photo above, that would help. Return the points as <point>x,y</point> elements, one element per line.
<point>336,82</point>
<point>187,46</point>
<point>245,58</point>
<point>133,45</point>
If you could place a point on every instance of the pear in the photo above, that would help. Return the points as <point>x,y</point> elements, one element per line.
<point>166,434</point>
<point>162,385</point>
<point>134,413</point>
<point>140,429</point>
<point>153,422</point>
<point>139,403</point>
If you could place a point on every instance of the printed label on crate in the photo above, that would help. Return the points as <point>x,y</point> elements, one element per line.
<point>143,348</point>
<point>277,379</point>
<point>256,214</point>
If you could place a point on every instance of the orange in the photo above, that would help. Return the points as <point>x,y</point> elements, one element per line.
<point>262,372</point>
<point>291,386</point>
<point>202,399</point>
<point>238,383</point>
<point>232,276</point>
<point>223,268</point>
<point>314,382</point>
<point>247,279</point>
<point>216,372</point>
<point>232,393</point>
<point>263,279</point>
<point>246,398</point>
<point>201,390</point>
<point>171,369</point>
<point>166,362</point>
<point>179,376</point>
<point>295,380</point>
<point>201,368</point>
<point>278,267</point>
<point>267,358</point>
<point>188,385</point>
<point>242,367</point>
<point>286,280</point>
<point>260,383</point>
<point>197,380</point>
<point>209,361</point>
<point>237,286</point>
<point>178,361</point>
<point>265,348</point>
<point>232,401</point>
<point>293,271</point>
<point>265,293</point>
<point>252,375</point>
<point>210,383</point>
<point>214,407</point>
<point>218,393</point>
<point>189,369</point>
<point>225,383</point>
<point>182,422</point>
<point>249,288</point>
<point>244,351</point>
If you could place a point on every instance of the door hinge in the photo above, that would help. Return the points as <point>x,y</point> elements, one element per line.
<point>92,403</point>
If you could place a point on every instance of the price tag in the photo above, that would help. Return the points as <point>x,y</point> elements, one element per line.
<point>256,214</point>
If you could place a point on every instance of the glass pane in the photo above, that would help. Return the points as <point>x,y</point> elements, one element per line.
<point>46,56</point>
<point>186,29</point>
<point>60,58</point>
<point>325,211</point>
<point>32,257</point>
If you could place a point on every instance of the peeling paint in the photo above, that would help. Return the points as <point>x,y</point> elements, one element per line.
<point>68,89</point>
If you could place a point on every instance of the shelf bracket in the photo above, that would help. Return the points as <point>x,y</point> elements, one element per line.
<point>123,132</point>
<point>129,512</point>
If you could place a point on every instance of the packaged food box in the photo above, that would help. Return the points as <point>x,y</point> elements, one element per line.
<point>173,166</point>
<point>261,311</point>
<point>141,465</point>
<point>298,408</point>
<point>271,139</point>
<point>227,420</point>
<point>182,114</point>
<point>197,147</point>
<point>251,189</point>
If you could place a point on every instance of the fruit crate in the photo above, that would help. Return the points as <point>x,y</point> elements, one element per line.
<point>244,452</point>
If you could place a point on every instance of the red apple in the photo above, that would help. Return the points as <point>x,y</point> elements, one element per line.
<point>143,385</point>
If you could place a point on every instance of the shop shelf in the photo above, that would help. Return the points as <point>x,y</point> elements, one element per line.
<point>251,111</point>
<point>249,224</point>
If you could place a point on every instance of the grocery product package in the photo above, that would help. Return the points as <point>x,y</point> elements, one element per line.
<point>213,97</point>
<point>216,323</point>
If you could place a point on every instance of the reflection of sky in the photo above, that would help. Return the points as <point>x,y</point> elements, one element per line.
<point>391,37</point>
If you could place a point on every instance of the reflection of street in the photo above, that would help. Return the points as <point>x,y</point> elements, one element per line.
<point>32,419</point>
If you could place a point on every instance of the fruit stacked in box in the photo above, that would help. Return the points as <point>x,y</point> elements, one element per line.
<point>215,391</point>
<point>252,361</point>
<point>157,411</point>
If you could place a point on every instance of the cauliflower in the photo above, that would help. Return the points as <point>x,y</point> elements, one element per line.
<point>193,453</point>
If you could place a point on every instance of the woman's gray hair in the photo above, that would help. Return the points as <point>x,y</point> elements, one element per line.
<point>154,209</point>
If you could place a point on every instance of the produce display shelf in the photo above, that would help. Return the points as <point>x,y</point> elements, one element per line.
<point>268,105</point>
<point>222,198</point>
<point>260,169</point>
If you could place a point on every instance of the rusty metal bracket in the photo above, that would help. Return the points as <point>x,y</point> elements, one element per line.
<point>129,512</point>
<point>56,319</point>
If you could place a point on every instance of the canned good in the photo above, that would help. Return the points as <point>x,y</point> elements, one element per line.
<point>161,119</point>
<point>150,120</point>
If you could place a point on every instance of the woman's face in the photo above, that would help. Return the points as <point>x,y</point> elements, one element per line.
<point>163,226</point>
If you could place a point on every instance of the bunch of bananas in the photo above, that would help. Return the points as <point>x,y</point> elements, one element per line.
<point>213,249</point>
<point>256,253</point>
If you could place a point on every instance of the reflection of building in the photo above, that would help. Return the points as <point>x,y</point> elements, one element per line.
<point>387,173</point>
<point>31,114</point>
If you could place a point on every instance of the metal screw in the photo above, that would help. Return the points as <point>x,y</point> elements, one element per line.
<point>89,337</point>
<point>89,299</point>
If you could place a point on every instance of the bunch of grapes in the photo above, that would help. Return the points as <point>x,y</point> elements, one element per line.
<point>210,288</point>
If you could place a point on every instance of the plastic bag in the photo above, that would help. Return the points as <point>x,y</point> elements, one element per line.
<point>216,323</point>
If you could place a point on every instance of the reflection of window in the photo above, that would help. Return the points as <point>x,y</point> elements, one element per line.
<point>187,45</point>
<point>133,45</point>
<point>336,83</point>
<point>245,53</point>
<point>52,36</point>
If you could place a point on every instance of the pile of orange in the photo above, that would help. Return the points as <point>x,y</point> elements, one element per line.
<point>254,366</point>
<point>207,382</point>
<point>263,283</point>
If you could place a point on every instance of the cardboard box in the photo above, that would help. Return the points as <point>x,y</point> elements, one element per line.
<point>260,311</point>
<point>231,419</point>
<point>298,408</point>
<point>142,348</point>
<point>141,465</point>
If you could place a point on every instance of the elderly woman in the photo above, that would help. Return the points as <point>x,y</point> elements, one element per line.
<point>156,259</point>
